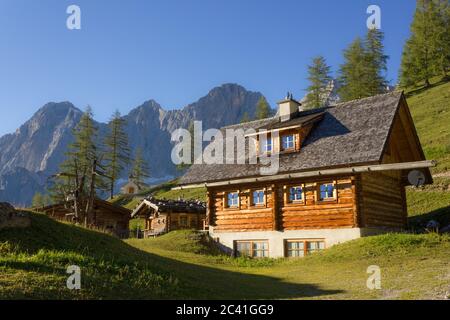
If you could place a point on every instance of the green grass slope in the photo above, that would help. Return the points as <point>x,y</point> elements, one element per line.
<point>430,109</point>
<point>33,264</point>
<point>183,265</point>
<point>412,267</point>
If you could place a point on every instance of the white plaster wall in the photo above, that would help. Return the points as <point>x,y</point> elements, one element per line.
<point>276,238</point>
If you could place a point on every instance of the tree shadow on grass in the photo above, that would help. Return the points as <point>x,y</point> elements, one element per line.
<point>424,88</point>
<point>194,281</point>
<point>419,222</point>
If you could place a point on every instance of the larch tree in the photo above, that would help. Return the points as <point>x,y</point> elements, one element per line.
<point>262,109</point>
<point>40,200</point>
<point>77,178</point>
<point>184,166</point>
<point>140,170</point>
<point>117,153</point>
<point>375,77</point>
<point>427,51</point>
<point>245,117</point>
<point>443,37</point>
<point>365,65</point>
<point>353,71</point>
<point>319,78</point>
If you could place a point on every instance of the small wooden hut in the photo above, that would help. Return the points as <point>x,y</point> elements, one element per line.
<point>107,216</point>
<point>162,216</point>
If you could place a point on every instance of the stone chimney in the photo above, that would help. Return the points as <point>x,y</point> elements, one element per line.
<point>288,108</point>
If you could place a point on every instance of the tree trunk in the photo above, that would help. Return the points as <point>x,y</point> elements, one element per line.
<point>90,203</point>
<point>112,189</point>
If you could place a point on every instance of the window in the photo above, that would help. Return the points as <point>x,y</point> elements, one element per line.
<point>301,248</point>
<point>254,249</point>
<point>267,145</point>
<point>295,249</point>
<point>314,246</point>
<point>260,249</point>
<point>288,142</point>
<point>258,197</point>
<point>295,194</point>
<point>326,192</point>
<point>233,200</point>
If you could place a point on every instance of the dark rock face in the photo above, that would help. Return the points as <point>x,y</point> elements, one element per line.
<point>36,149</point>
<point>19,185</point>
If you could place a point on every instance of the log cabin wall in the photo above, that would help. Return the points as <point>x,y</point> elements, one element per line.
<point>115,222</point>
<point>316,214</point>
<point>166,222</point>
<point>245,217</point>
<point>382,200</point>
<point>278,213</point>
<point>159,223</point>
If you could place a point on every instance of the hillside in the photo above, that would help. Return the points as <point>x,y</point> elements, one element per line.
<point>182,265</point>
<point>33,265</point>
<point>430,109</point>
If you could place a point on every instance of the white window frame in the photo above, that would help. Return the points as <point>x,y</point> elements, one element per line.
<point>288,142</point>
<point>227,198</point>
<point>268,142</point>
<point>305,242</point>
<point>252,250</point>
<point>319,191</point>
<point>263,203</point>
<point>296,200</point>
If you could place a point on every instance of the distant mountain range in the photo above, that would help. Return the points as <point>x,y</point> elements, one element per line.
<point>33,153</point>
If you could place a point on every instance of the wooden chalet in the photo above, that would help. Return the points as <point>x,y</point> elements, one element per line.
<point>342,175</point>
<point>107,216</point>
<point>162,216</point>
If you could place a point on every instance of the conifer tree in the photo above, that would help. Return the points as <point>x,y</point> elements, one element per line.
<point>183,166</point>
<point>427,51</point>
<point>77,172</point>
<point>140,169</point>
<point>262,109</point>
<point>442,37</point>
<point>363,72</point>
<point>40,200</point>
<point>353,71</point>
<point>376,62</point>
<point>117,154</point>
<point>245,117</point>
<point>319,78</point>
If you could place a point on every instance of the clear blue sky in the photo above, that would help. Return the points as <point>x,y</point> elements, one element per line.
<point>174,51</point>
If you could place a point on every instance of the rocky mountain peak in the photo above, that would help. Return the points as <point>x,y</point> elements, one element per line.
<point>39,146</point>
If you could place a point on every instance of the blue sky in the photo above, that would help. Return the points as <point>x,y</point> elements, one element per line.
<point>128,52</point>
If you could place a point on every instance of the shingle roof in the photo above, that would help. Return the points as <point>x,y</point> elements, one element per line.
<point>169,206</point>
<point>350,133</point>
<point>301,119</point>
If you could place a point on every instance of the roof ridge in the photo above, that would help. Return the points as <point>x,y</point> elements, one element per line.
<point>367,98</point>
<point>249,122</point>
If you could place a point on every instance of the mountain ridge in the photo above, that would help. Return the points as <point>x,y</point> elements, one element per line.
<point>38,146</point>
